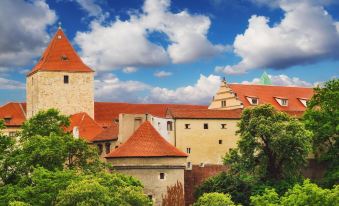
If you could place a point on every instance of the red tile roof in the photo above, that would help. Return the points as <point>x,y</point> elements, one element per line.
<point>15,112</point>
<point>109,134</point>
<point>267,94</point>
<point>146,142</point>
<point>106,112</point>
<point>204,114</point>
<point>60,56</point>
<point>88,128</point>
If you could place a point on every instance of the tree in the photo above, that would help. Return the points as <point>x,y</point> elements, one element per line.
<point>322,118</point>
<point>239,187</point>
<point>174,196</point>
<point>214,199</point>
<point>300,195</point>
<point>45,123</point>
<point>272,145</point>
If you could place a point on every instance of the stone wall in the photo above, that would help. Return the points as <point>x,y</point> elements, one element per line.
<point>46,89</point>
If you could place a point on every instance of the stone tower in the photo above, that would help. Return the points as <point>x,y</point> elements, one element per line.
<point>225,99</point>
<point>60,80</point>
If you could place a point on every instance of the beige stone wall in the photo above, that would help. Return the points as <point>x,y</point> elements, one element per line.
<point>225,94</point>
<point>10,130</point>
<point>204,143</point>
<point>46,89</point>
<point>128,123</point>
<point>150,174</point>
<point>104,152</point>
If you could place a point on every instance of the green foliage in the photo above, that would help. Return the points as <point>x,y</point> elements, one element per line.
<point>240,188</point>
<point>272,145</point>
<point>45,123</point>
<point>300,195</point>
<point>322,118</point>
<point>215,199</point>
<point>50,167</point>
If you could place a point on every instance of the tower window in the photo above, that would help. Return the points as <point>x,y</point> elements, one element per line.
<point>162,176</point>
<point>66,79</point>
<point>220,141</point>
<point>223,103</point>
<point>205,126</point>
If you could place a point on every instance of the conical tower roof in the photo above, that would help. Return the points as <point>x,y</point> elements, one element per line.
<point>60,56</point>
<point>146,142</point>
<point>265,79</point>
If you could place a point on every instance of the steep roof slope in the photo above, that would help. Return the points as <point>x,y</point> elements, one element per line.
<point>14,112</point>
<point>60,56</point>
<point>111,133</point>
<point>88,128</point>
<point>267,95</point>
<point>146,142</point>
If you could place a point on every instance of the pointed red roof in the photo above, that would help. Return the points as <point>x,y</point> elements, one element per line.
<point>146,142</point>
<point>60,56</point>
<point>14,113</point>
<point>87,127</point>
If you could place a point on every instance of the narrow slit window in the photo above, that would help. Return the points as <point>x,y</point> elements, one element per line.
<point>205,126</point>
<point>66,79</point>
<point>220,141</point>
<point>188,150</point>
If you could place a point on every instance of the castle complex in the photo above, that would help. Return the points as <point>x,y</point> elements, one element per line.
<point>159,144</point>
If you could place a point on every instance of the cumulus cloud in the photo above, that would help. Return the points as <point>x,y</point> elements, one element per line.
<point>119,44</point>
<point>199,93</point>
<point>305,35</point>
<point>129,70</point>
<point>93,9</point>
<point>283,80</point>
<point>9,84</point>
<point>23,33</point>
<point>108,87</point>
<point>161,74</point>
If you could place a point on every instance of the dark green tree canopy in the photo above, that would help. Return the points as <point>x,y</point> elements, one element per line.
<point>272,145</point>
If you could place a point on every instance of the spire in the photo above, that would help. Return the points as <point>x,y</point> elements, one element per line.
<point>265,79</point>
<point>60,56</point>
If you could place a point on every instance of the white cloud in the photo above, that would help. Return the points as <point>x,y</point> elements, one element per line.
<point>23,33</point>
<point>199,93</point>
<point>129,70</point>
<point>306,34</point>
<point>93,9</point>
<point>162,74</point>
<point>125,43</point>
<point>9,84</point>
<point>283,80</point>
<point>108,87</point>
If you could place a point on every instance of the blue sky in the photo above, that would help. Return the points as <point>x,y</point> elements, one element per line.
<point>174,51</point>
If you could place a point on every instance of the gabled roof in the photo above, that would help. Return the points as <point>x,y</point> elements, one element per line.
<point>88,128</point>
<point>267,94</point>
<point>204,114</point>
<point>109,134</point>
<point>146,142</point>
<point>15,112</point>
<point>60,56</point>
<point>106,112</point>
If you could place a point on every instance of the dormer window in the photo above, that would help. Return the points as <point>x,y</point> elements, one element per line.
<point>64,58</point>
<point>282,101</point>
<point>253,100</point>
<point>303,101</point>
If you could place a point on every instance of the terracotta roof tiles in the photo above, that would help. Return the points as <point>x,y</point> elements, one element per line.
<point>60,56</point>
<point>108,134</point>
<point>14,112</point>
<point>146,142</point>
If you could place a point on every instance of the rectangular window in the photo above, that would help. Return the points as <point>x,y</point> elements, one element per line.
<point>12,134</point>
<point>162,176</point>
<point>205,126</point>
<point>223,103</point>
<point>169,126</point>
<point>187,126</point>
<point>66,79</point>
<point>223,126</point>
<point>254,101</point>
<point>188,150</point>
<point>108,147</point>
<point>100,149</point>
<point>284,102</point>
<point>220,141</point>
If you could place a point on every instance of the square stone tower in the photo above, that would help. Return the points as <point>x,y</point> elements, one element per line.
<point>60,80</point>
